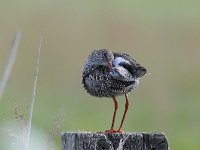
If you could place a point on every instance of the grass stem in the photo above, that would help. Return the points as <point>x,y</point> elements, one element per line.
<point>10,62</point>
<point>30,115</point>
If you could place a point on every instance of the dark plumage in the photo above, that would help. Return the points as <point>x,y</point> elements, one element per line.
<point>107,74</point>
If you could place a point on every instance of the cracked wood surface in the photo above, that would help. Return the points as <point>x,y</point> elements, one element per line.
<point>113,141</point>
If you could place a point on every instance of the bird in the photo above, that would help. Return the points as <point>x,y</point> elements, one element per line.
<point>111,74</point>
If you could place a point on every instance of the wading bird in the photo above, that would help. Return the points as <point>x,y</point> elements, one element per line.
<point>107,74</point>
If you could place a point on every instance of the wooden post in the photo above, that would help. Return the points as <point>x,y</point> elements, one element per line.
<point>115,141</point>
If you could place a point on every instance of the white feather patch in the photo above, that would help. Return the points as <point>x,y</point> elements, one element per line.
<point>118,60</point>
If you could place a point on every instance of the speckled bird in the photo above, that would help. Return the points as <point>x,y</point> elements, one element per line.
<point>107,74</point>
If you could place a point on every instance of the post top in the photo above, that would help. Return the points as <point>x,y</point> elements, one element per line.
<point>83,140</point>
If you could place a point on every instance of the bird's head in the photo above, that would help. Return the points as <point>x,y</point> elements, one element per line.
<point>101,57</point>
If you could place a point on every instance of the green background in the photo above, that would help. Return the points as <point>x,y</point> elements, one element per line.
<point>164,36</point>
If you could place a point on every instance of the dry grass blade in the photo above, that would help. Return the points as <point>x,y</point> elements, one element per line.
<point>9,63</point>
<point>22,122</point>
<point>55,129</point>
<point>20,117</point>
<point>33,95</point>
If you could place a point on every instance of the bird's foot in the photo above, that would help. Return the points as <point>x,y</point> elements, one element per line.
<point>110,131</point>
<point>119,131</point>
<point>113,131</point>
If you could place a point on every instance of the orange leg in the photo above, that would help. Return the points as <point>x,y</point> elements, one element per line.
<point>124,116</point>
<point>114,116</point>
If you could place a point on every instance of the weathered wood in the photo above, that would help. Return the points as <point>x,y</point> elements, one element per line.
<point>115,141</point>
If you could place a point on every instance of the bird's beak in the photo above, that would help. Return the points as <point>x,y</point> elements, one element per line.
<point>110,65</point>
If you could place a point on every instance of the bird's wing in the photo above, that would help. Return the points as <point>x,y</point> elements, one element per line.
<point>130,64</point>
<point>122,74</point>
<point>126,57</point>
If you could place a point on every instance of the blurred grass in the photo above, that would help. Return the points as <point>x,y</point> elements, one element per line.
<point>162,35</point>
